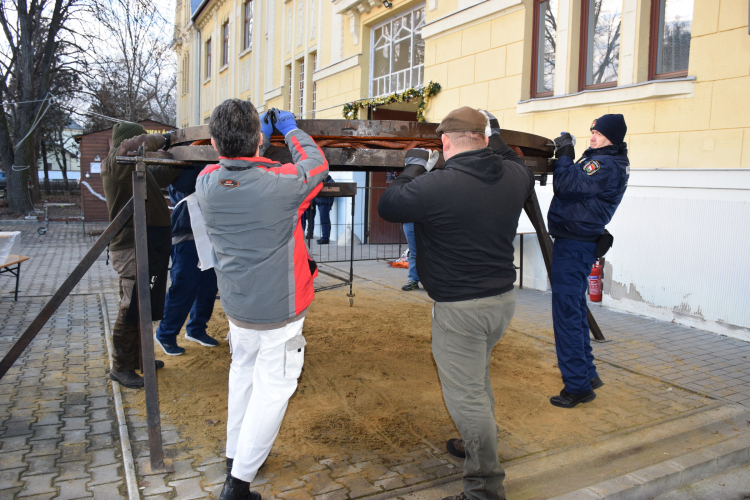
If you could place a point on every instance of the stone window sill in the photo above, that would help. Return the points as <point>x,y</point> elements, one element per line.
<point>246,51</point>
<point>207,81</point>
<point>223,68</point>
<point>655,89</point>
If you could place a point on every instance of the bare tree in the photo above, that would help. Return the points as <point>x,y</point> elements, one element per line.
<point>37,44</point>
<point>131,75</point>
<point>607,43</point>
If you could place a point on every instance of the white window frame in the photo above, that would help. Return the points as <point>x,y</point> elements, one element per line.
<point>390,74</point>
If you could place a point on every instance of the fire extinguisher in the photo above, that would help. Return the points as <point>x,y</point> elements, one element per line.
<point>595,281</point>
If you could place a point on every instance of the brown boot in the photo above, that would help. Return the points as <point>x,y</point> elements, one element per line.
<point>127,378</point>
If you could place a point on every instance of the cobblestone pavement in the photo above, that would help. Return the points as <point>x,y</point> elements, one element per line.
<point>58,432</point>
<point>696,360</point>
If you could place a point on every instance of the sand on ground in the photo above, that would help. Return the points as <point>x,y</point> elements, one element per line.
<point>370,383</point>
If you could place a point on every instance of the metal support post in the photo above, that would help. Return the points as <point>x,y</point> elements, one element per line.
<point>351,259</point>
<point>145,325</point>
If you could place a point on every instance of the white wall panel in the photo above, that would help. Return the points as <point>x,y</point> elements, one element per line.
<point>680,251</point>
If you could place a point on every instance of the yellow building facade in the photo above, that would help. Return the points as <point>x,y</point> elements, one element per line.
<point>313,56</point>
<point>678,70</point>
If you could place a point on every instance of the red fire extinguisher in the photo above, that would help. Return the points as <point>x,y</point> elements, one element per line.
<point>595,281</point>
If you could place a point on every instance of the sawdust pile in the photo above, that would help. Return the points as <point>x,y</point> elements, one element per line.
<point>370,383</point>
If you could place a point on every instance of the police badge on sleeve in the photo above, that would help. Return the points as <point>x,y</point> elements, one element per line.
<point>591,167</point>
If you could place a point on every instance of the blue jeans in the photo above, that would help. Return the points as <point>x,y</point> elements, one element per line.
<point>412,241</point>
<point>308,214</point>
<point>571,265</point>
<point>325,221</point>
<point>192,292</point>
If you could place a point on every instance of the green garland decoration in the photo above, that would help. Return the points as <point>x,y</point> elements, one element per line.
<point>424,93</point>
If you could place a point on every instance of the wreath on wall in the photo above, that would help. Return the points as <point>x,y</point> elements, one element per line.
<point>424,93</point>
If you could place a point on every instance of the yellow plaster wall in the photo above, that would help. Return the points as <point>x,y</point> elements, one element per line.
<point>337,89</point>
<point>482,65</point>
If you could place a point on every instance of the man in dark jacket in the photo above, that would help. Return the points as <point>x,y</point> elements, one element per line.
<point>117,179</point>
<point>587,193</point>
<point>192,291</point>
<point>465,219</point>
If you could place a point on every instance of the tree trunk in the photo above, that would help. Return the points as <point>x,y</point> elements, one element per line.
<point>36,194</point>
<point>46,169</point>
<point>66,186</point>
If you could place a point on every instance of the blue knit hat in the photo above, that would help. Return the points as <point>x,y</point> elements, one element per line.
<point>612,127</point>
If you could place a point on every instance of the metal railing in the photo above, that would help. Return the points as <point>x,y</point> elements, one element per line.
<point>374,238</point>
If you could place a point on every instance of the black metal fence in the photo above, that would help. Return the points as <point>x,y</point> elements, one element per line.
<point>57,186</point>
<point>374,238</point>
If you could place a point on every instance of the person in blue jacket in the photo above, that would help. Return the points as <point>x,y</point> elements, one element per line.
<point>587,193</point>
<point>324,204</point>
<point>192,292</point>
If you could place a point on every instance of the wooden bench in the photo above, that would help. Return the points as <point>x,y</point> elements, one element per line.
<point>13,260</point>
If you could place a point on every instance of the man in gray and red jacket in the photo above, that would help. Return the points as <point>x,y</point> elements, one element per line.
<point>252,207</point>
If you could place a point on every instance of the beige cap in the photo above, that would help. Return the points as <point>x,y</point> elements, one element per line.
<point>464,119</point>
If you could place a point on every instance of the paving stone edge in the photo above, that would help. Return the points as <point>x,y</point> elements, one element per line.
<point>671,475</point>
<point>127,454</point>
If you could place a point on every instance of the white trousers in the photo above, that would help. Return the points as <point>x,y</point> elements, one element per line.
<point>263,376</point>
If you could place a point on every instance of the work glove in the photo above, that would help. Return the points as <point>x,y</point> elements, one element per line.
<point>285,122</point>
<point>492,130</point>
<point>493,126</point>
<point>419,160</point>
<point>565,145</point>
<point>153,142</point>
<point>168,140</point>
<point>266,123</point>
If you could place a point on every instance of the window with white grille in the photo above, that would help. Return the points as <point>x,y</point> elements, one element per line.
<point>397,53</point>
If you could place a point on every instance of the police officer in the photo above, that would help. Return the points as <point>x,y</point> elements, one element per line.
<point>587,193</point>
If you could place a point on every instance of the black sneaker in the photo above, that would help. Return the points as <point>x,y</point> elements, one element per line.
<point>322,241</point>
<point>202,338</point>
<point>456,447</point>
<point>127,378</point>
<point>596,382</point>
<point>170,348</point>
<point>410,285</point>
<point>228,480</point>
<point>235,489</point>
<point>568,400</point>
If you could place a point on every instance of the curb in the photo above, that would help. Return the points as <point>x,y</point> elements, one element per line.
<point>127,454</point>
<point>671,475</point>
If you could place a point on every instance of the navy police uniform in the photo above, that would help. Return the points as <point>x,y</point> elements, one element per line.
<point>587,193</point>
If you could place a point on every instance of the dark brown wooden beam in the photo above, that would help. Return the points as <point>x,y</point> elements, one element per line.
<point>531,144</point>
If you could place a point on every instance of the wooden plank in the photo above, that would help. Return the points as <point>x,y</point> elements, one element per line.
<point>15,259</point>
<point>338,189</point>
<point>62,293</point>
<point>533,145</point>
<point>142,282</point>
<point>340,159</point>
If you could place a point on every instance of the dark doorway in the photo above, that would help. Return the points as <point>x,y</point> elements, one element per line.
<point>381,231</point>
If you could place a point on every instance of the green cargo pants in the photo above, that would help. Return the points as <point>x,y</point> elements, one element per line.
<point>463,335</point>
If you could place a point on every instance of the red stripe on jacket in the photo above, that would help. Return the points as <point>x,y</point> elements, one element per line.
<point>301,151</point>
<point>209,169</point>
<point>304,291</point>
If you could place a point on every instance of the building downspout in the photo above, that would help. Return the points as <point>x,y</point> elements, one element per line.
<point>197,102</point>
